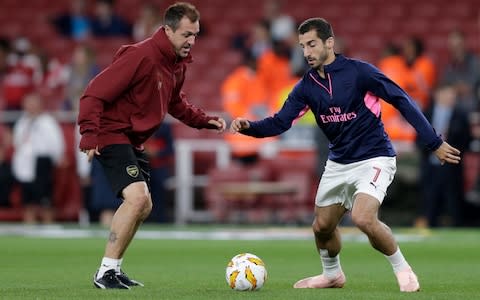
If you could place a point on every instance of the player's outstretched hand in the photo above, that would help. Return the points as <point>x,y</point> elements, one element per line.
<point>447,153</point>
<point>239,124</point>
<point>220,124</point>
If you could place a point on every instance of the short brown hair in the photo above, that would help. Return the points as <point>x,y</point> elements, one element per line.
<point>177,11</point>
<point>320,25</point>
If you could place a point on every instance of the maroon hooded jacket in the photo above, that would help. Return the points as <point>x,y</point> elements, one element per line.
<point>126,102</point>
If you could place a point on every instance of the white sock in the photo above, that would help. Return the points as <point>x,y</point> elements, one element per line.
<point>331,265</point>
<point>397,261</point>
<point>107,264</point>
<point>119,266</point>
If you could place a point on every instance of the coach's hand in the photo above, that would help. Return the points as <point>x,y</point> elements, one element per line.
<point>91,153</point>
<point>220,124</point>
<point>239,124</point>
<point>447,153</point>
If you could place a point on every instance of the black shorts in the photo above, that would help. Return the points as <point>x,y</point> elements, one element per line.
<point>123,165</point>
<point>40,190</point>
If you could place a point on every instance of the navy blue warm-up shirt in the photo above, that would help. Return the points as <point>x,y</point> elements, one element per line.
<point>346,105</point>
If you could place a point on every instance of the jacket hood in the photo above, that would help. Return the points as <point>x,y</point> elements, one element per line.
<point>165,47</point>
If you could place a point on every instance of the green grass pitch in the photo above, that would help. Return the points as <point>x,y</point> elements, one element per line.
<point>447,263</point>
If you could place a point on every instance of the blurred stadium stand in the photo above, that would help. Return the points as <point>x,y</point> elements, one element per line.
<point>365,26</point>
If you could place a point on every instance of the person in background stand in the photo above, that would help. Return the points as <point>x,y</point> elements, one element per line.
<point>147,22</point>
<point>81,69</point>
<point>6,177</point>
<point>160,151</point>
<point>442,186</point>
<point>39,146</point>
<point>107,23</point>
<point>462,69</point>
<point>75,23</point>
<point>243,94</point>
<point>83,168</point>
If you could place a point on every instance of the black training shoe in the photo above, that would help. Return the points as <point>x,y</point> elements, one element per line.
<point>109,280</point>
<point>127,281</point>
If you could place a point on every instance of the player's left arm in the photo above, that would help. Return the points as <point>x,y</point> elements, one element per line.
<point>373,80</point>
<point>383,87</point>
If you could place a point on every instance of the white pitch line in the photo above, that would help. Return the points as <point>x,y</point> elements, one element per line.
<point>277,233</point>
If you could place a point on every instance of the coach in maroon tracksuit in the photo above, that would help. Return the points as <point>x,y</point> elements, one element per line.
<point>121,108</point>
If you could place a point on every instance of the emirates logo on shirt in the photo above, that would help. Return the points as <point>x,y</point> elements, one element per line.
<point>133,171</point>
<point>337,116</point>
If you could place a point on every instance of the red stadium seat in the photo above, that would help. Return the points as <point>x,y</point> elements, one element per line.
<point>225,206</point>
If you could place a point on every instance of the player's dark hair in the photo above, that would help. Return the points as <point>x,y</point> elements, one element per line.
<point>320,25</point>
<point>177,11</point>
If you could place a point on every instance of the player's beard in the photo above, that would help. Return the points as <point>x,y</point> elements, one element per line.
<point>322,58</point>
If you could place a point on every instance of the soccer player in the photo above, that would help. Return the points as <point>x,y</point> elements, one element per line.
<point>344,93</point>
<point>121,108</point>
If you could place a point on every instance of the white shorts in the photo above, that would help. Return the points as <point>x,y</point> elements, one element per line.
<point>341,182</point>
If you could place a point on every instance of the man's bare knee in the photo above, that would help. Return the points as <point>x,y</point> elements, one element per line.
<point>365,212</point>
<point>323,227</point>
<point>364,222</point>
<point>137,197</point>
<point>326,220</point>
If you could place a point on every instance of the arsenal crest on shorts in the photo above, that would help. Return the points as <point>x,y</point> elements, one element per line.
<point>132,170</point>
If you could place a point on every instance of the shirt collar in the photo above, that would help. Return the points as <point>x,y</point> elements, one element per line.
<point>336,64</point>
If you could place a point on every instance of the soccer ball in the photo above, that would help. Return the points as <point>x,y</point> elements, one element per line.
<point>246,272</point>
